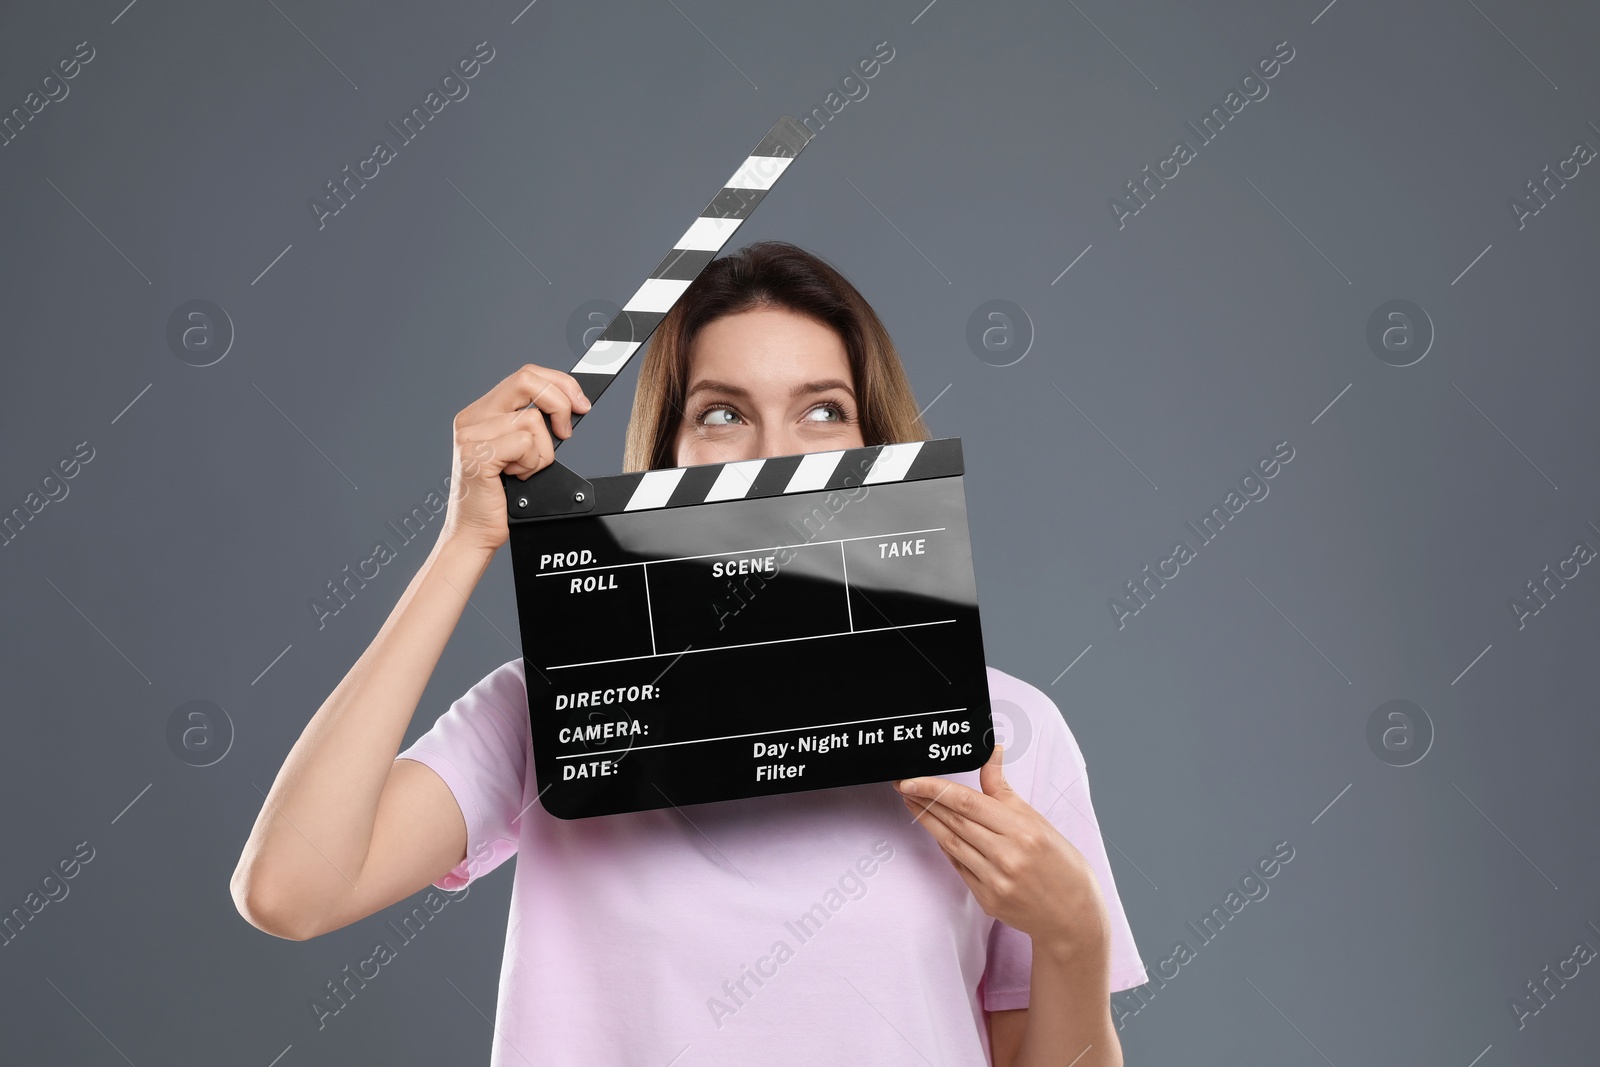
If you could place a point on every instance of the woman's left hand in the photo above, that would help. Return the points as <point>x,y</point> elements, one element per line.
<point>1019,867</point>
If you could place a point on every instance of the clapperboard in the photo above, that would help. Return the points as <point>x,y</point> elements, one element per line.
<point>733,630</point>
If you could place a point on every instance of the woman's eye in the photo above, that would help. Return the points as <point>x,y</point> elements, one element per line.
<point>832,411</point>
<point>710,418</point>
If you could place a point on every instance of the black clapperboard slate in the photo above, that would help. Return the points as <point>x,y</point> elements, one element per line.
<point>732,630</point>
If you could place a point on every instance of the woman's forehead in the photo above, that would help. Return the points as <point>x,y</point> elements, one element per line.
<point>760,349</point>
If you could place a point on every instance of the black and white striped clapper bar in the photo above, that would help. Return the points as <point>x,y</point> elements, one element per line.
<point>733,630</point>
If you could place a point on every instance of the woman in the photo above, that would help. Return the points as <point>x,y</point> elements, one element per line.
<point>943,919</point>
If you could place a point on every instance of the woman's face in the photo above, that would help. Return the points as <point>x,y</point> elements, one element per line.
<point>766,383</point>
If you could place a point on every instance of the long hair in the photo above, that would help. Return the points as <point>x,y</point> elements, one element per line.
<point>762,275</point>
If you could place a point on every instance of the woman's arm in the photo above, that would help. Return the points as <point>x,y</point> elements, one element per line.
<point>305,868</point>
<point>1005,1035</point>
<point>346,828</point>
<point>1025,873</point>
<point>1072,1026</point>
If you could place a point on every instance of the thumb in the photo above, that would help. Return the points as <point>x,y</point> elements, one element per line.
<point>991,776</point>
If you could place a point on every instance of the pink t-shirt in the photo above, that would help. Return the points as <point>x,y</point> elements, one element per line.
<point>815,927</point>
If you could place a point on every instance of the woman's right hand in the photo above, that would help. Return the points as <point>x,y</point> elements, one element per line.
<point>498,432</point>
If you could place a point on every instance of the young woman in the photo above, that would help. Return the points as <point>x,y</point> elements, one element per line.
<point>965,918</point>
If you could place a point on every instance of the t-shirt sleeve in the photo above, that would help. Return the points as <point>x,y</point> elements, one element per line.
<point>1057,787</point>
<point>481,747</point>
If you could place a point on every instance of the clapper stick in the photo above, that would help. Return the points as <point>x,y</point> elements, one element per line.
<point>700,243</point>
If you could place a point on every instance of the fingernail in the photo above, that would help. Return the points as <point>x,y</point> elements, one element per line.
<point>910,785</point>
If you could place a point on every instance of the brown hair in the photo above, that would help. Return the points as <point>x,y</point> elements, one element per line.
<point>761,275</point>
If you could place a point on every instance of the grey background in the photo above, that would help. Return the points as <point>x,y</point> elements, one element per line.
<point>1227,316</point>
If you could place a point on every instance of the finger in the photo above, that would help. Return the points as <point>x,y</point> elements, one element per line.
<point>549,390</point>
<point>502,397</point>
<point>512,440</point>
<point>569,384</point>
<point>561,380</point>
<point>979,807</point>
<point>992,778</point>
<point>967,876</point>
<point>510,422</point>
<point>521,452</point>
<point>953,843</point>
<point>553,400</point>
<point>960,868</point>
<point>987,845</point>
<point>975,882</point>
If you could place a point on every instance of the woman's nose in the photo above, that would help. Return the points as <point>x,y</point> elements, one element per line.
<point>777,440</point>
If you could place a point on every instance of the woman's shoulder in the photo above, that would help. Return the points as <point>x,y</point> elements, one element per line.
<point>1011,686</point>
<point>504,687</point>
<point>494,708</point>
<point>1026,718</point>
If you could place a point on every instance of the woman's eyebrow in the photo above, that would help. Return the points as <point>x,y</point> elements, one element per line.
<point>805,388</point>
